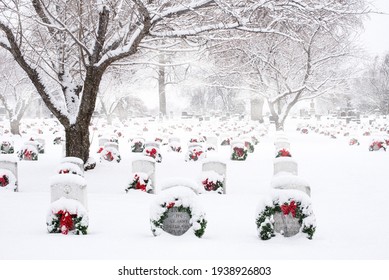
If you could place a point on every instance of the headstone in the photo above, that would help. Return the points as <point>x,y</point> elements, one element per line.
<point>111,145</point>
<point>145,165</point>
<point>174,139</point>
<point>218,167</point>
<point>152,144</point>
<point>69,186</point>
<point>10,164</point>
<point>282,143</point>
<point>287,225</point>
<point>176,222</point>
<point>212,142</point>
<point>285,164</point>
<point>102,141</point>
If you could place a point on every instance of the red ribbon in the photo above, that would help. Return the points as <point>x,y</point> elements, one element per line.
<point>65,222</point>
<point>3,181</point>
<point>291,208</point>
<point>170,205</point>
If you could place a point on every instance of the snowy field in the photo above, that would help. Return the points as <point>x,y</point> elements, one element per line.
<point>350,189</point>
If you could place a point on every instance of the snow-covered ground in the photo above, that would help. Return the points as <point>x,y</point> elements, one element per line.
<point>349,191</point>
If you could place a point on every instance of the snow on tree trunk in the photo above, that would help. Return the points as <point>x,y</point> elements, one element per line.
<point>162,86</point>
<point>15,126</point>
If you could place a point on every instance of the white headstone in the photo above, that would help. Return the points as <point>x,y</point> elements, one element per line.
<point>152,144</point>
<point>69,186</point>
<point>11,164</point>
<point>111,145</point>
<point>174,139</point>
<point>282,143</point>
<point>218,167</point>
<point>145,165</point>
<point>285,164</point>
<point>212,142</point>
<point>102,141</point>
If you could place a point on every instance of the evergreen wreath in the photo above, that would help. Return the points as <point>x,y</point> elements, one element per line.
<point>212,182</point>
<point>140,181</point>
<point>304,214</point>
<point>249,146</point>
<point>67,215</point>
<point>6,148</point>
<point>239,153</point>
<point>197,219</point>
<point>28,152</point>
<point>137,146</point>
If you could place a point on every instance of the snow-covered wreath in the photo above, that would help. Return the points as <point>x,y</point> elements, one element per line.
<point>195,153</point>
<point>137,145</point>
<point>140,181</point>
<point>288,202</point>
<point>69,168</point>
<point>67,215</point>
<point>239,152</point>
<point>6,147</point>
<point>154,153</point>
<point>110,154</point>
<point>28,152</point>
<point>7,180</point>
<point>183,199</point>
<point>212,181</point>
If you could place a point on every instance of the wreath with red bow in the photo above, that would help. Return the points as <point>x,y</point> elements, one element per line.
<point>283,153</point>
<point>140,182</point>
<point>304,214</point>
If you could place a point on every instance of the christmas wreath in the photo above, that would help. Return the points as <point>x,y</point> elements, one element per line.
<point>67,215</point>
<point>377,145</point>
<point>239,152</point>
<point>28,152</point>
<point>226,142</point>
<point>194,154</point>
<point>212,181</point>
<point>137,146</point>
<point>254,140</point>
<point>153,153</point>
<point>6,148</point>
<point>110,154</point>
<point>7,180</point>
<point>140,181</point>
<point>181,199</point>
<point>249,146</point>
<point>283,153</point>
<point>175,147</point>
<point>353,141</point>
<point>295,203</point>
<point>69,168</point>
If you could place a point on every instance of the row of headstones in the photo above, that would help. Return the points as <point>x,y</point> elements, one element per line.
<point>28,151</point>
<point>288,211</point>
<point>213,177</point>
<point>68,209</point>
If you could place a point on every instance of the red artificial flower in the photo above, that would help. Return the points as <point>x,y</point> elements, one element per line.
<point>239,151</point>
<point>283,153</point>
<point>27,154</point>
<point>140,186</point>
<point>3,181</point>
<point>291,208</point>
<point>64,171</point>
<point>100,150</point>
<point>152,153</point>
<point>109,156</point>
<point>65,222</point>
<point>170,205</point>
<point>208,185</point>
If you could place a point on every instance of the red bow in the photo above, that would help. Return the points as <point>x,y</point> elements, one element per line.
<point>140,186</point>
<point>3,181</point>
<point>170,205</point>
<point>65,222</point>
<point>27,154</point>
<point>291,208</point>
<point>152,153</point>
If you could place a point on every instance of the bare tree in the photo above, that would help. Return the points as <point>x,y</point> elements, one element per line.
<point>16,92</point>
<point>72,43</point>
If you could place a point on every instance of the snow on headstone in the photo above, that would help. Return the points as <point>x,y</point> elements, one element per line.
<point>69,186</point>
<point>218,167</point>
<point>152,144</point>
<point>102,141</point>
<point>285,164</point>
<point>181,182</point>
<point>212,143</point>
<point>285,181</point>
<point>75,160</point>
<point>145,165</point>
<point>281,143</point>
<point>9,163</point>
<point>111,145</point>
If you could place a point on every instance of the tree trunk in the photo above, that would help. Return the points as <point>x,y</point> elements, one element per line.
<point>15,126</point>
<point>77,140</point>
<point>256,105</point>
<point>162,86</point>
